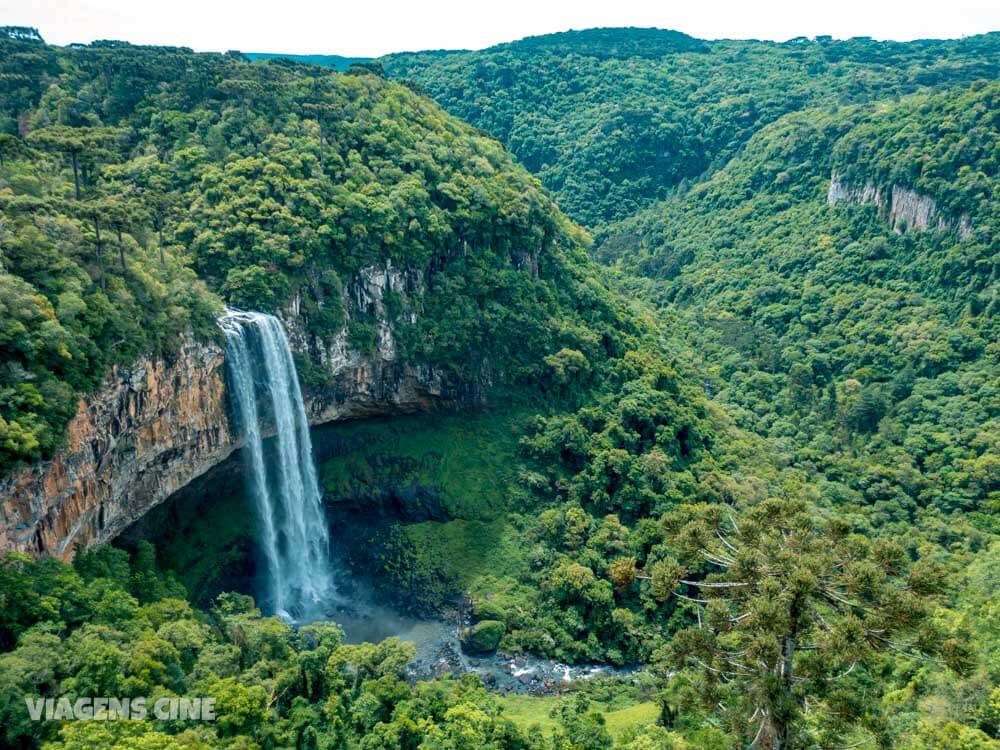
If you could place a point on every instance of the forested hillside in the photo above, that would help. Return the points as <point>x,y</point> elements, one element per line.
<point>752,459</point>
<point>613,119</point>
<point>337,62</point>
<point>837,281</point>
<point>824,254</point>
<point>142,187</point>
<point>868,354</point>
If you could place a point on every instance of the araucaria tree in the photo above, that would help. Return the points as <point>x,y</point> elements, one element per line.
<point>790,608</point>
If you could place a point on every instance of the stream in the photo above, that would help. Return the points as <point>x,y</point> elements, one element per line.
<point>439,652</point>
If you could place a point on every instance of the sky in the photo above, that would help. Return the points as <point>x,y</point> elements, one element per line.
<point>376,27</point>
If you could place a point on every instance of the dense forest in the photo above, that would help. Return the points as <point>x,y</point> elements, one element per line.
<point>145,187</point>
<point>613,119</point>
<point>868,355</point>
<point>741,435</point>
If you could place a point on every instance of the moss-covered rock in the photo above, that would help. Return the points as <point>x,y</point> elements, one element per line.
<point>483,637</point>
<point>431,467</point>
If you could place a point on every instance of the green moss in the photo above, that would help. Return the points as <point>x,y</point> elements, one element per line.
<point>620,721</point>
<point>424,566</point>
<point>416,579</point>
<point>483,637</point>
<point>470,548</point>
<point>468,460</point>
<point>451,478</point>
<point>530,710</point>
<point>362,336</point>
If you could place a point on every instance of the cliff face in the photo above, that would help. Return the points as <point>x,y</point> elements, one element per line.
<point>146,432</point>
<point>155,426</point>
<point>904,209</point>
<point>378,382</point>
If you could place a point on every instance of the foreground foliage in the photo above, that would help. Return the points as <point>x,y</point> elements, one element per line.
<point>108,626</point>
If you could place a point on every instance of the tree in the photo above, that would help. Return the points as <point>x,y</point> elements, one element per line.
<point>368,67</point>
<point>567,365</point>
<point>12,147</point>
<point>121,214</point>
<point>147,180</point>
<point>788,606</point>
<point>320,102</point>
<point>92,211</point>
<point>579,727</point>
<point>84,147</point>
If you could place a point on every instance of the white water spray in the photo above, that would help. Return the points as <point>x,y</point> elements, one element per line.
<point>294,534</point>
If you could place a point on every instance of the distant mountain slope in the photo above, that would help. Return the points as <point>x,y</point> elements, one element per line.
<point>857,324</point>
<point>337,62</point>
<point>613,119</point>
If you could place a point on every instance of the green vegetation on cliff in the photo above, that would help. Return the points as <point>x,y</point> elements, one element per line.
<point>467,460</point>
<point>125,171</point>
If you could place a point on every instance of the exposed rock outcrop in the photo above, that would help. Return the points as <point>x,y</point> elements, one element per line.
<point>145,433</point>
<point>904,210</point>
<point>158,424</point>
<point>377,382</point>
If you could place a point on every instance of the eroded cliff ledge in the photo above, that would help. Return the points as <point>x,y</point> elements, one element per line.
<point>903,209</point>
<point>158,424</point>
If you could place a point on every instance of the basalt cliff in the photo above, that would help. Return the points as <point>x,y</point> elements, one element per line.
<point>903,209</point>
<point>158,424</point>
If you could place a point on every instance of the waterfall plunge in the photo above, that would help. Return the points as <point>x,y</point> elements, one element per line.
<point>294,533</point>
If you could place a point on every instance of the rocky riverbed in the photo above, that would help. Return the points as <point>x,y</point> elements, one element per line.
<point>439,652</point>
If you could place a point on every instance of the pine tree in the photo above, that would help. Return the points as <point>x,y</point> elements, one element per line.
<point>789,606</point>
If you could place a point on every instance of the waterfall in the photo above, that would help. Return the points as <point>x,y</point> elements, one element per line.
<point>264,388</point>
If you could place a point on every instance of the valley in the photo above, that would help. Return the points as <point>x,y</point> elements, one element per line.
<point>612,388</point>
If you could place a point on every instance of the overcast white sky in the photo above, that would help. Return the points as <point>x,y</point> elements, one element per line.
<point>371,27</point>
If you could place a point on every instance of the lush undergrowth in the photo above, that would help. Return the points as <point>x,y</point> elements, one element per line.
<point>467,462</point>
<point>528,711</point>
<point>206,536</point>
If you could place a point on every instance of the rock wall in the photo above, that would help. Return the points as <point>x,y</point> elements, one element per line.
<point>158,424</point>
<point>379,382</point>
<point>145,433</point>
<point>904,210</point>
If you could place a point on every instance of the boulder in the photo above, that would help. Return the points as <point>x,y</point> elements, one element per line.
<point>483,637</point>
